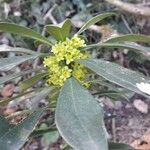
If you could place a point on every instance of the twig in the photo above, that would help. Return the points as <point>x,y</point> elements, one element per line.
<point>50,16</point>
<point>114,128</point>
<point>6,10</point>
<point>131,8</point>
<point>126,24</point>
<point>18,113</point>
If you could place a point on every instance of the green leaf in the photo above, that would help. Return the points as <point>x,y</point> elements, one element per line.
<point>23,31</point>
<point>34,95</point>
<point>15,137</point>
<point>113,92</point>
<point>79,118</point>
<point>5,48</point>
<point>24,85</point>
<point>119,146</point>
<point>60,31</point>
<point>11,62</point>
<point>118,45</point>
<point>4,126</point>
<point>129,38</point>
<point>53,96</point>
<point>15,75</point>
<point>40,132</point>
<point>114,95</point>
<point>49,137</point>
<point>7,100</point>
<point>117,74</point>
<point>94,20</point>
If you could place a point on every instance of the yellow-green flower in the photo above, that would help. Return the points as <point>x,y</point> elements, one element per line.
<point>61,64</point>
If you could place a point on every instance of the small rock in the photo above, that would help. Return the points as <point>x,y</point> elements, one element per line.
<point>141,106</point>
<point>8,90</point>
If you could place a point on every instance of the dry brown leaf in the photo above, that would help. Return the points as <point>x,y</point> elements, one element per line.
<point>143,143</point>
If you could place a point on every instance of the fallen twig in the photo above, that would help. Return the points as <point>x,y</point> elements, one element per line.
<point>131,8</point>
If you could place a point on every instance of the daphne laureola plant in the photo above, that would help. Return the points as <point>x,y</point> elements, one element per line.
<point>78,116</point>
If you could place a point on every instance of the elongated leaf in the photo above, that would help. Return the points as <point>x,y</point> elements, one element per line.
<point>53,95</point>
<point>31,81</point>
<point>116,74</point>
<point>119,146</point>
<point>15,137</point>
<point>114,92</point>
<point>130,38</point>
<point>4,126</point>
<point>5,48</point>
<point>114,95</point>
<point>35,95</point>
<point>94,20</point>
<point>7,100</point>
<point>79,118</point>
<point>15,75</point>
<point>60,31</point>
<point>118,45</point>
<point>23,31</point>
<point>8,63</point>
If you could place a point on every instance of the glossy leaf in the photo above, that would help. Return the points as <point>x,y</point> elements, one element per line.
<point>60,31</point>
<point>118,45</point>
<point>15,137</point>
<point>6,48</point>
<point>119,146</point>
<point>11,62</point>
<point>79,118</point>
<point>116,74</point>
<point>24,85</point>
<point>94,20</point>
<point>129,38</point>
<point>23,31</point>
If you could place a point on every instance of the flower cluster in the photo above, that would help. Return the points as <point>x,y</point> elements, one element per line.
<point>61,64</point>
